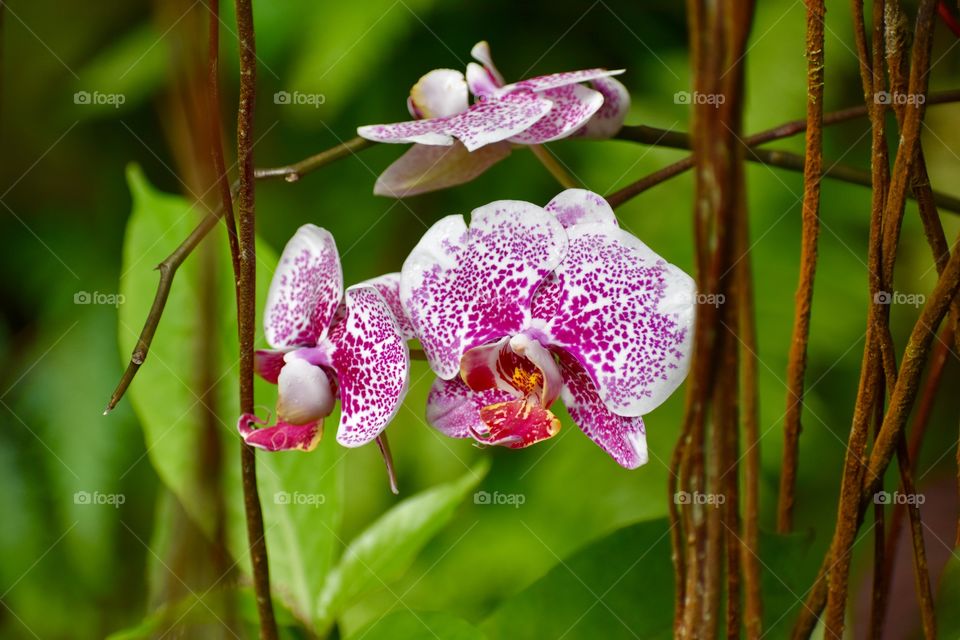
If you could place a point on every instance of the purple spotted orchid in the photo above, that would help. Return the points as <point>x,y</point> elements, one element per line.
<point>456,141</point>
<point>531,304</point>
<point>327,343</point>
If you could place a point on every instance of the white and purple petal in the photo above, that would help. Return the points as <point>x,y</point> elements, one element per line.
<point>608,120</point>
<point>483,123</point>
<point>573,106</point>
<point>267,363</point>
<point>483,80</point>
<point>543,83</point>
<point>304,392</point>
<point>624,438</point>
<point>579,206</point>
<point>372,362</point>
<point>626,315</point>
<point>389,287</point>
<point>305,290</point>
<point>424,168</point>
<point>462,288</point>
<point>438,94</point>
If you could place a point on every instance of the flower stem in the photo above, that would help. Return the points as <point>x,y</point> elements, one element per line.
<point>556,169</point>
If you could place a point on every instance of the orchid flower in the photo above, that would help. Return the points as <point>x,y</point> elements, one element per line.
<point>329,344</point>
<point>456,141</point>
<point>531,304</point>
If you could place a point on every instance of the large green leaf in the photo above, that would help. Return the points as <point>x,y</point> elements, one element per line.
<point>166,397</point>
<point>384,550</point>
<point>621,586</point>
<point>948,599</point>
<point>412,625</point>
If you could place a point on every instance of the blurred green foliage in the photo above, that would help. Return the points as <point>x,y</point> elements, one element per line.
<point>72,569</point>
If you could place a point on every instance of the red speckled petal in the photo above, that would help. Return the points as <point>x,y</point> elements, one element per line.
<point>516,424</point>
<point>454,409</point>
<point>462,287</point>
<point>305,290</point>
<point>372,363</point>
<point>624,438</point>
<point>280,437</point>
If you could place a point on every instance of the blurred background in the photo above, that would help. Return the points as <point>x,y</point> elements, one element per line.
<point>73,568</point>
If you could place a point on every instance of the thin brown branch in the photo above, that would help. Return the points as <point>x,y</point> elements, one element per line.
<point>847,519</point>
<point>803,299</point>
<point>295,171</point>
<point>246,311</point>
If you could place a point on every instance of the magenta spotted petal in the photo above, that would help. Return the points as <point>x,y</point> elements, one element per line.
<point>389,287</point>
<point>573,105</point>
<point>484,78</point>
<point>483,123</point>
<point>608,120</point>
<point>281,437</point>
<point>543,83</point>
<point>579,206</point>
<point>625,314</point>
<point>454,409</point>
<point>372,363</point>
<point>462,288</point>
<point>305,290</point>
<point>624,438</point>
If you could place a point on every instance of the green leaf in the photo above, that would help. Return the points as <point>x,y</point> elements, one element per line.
<point>621,586</point>
<point>948,596</point>
<point>385,549</point>
<point>410,625</point>
<point>166,398</point>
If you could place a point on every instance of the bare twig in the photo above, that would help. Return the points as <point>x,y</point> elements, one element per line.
<point>812,171</point>
<point>246,311</point>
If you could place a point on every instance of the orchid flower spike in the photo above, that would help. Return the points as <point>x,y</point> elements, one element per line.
<point>456,141</point>
<point>531,304</point>
<point>329,344</point>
